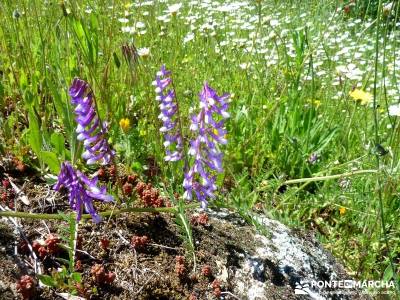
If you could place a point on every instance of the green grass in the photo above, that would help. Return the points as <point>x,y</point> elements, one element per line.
<point>282,61</point>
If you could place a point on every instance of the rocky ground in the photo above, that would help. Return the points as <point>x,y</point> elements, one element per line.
<point>143,256</point>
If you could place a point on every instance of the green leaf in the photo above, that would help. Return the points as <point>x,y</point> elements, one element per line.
<point>78,27</point>
<point>50,159</point>
<point>93,38</point>
<point>57,140</point>
<point>10,123</point>
<point>94,23</point>
<point>62,106</point>
<point>74,292</point>
<point>81,37</point>
<point>1,90</point>
<point>388,274</point>
<point>116,60</point>
<point>137,166</point>
<point>77,277</point>
<point>47,280</point>
<point>28,98</point>
<point>35,138</point>
<point>326,139</point>
<point>23,80</point>
<point>63,272</point>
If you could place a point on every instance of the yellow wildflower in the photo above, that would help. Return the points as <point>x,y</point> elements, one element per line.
<point>342,210</point>
<point>124,123</point>
<point>142,132</point>
<point>316,103</point>
<point>360,95</point>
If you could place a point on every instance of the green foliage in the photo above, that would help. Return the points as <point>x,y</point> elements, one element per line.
<point>36,137</point>
<point>368,7</point>
<point>186,230</point>
<point>290,100</point>
<point>65,279</point>
<point>70,235</point>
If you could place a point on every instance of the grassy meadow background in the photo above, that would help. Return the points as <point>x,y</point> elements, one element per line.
<point>314,90</point>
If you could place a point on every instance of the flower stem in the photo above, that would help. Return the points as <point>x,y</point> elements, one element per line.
<point>108,213</point>
<point>329,177</point>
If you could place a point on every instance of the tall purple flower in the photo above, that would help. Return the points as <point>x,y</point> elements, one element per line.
<point>81,191</point>
<point>209,126</point>
<point>90,130</point>
<point>166,95</point>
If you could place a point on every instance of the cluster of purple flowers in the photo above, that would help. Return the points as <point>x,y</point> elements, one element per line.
<point>166,96</point>
<point>200,176</point>
<point>81,191</point>
<point>209,127</point>
<point>90,130</point>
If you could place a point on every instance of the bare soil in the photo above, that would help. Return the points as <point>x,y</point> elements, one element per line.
<point>148,272</point>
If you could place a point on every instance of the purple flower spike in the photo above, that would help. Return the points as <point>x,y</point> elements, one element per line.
<point>81,191</point>
<point>209,126</point>
<point>89,130</point>
<point>173,142</point>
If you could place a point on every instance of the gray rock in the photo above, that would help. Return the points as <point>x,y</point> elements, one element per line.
<point>283,264</point>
